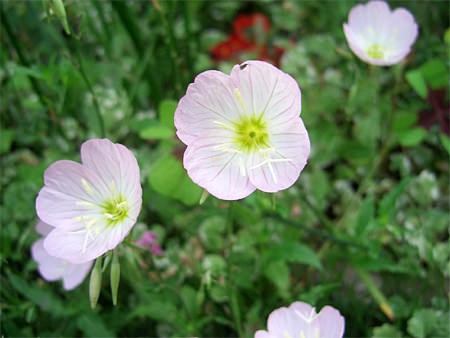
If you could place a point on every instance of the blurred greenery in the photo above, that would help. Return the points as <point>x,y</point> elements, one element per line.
<point>365,229</point>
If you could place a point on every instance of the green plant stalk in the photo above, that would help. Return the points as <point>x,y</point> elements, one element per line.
<point>170,39</point>
<point>91,90</point>
<point>231,290</point>
<point>377,294</point>
<point>121,8</point>
<point>95,282</point>
<point>21,56</point>
<point>115,276</point>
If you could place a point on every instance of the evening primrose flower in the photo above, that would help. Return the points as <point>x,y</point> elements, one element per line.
<point>301,320</point>
<point>243,131</point>
<point>52,268</point>
<point>92,205</point>
<point>377,35</point>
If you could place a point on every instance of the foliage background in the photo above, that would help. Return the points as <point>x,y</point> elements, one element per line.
<point>365,229</point>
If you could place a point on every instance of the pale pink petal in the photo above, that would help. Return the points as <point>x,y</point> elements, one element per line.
<point>279,168</point>
<point>374,25</point>
<point>267,91</point>
<point>115,166</point>
<point>332,324</point>
<point>263,334</point>
<point>43,228</point>
<point>79,246</point>
<point>74,274</point>
<point>221,173</point>
<point>68,187</point>
<point>50,268</point>
<point>284,320</point>
<point>211,98</point>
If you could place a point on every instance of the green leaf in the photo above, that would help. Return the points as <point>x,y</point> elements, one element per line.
<point>58,7</point>
<point>445,140</point>
<point>44,298</point>
<point>386,330</point>
<point>435,73</point>
<point>169,178</point>
<point>278,273</point>
<point>411,137</point>
<point>6,138</point>
<point>417,82</point>
<point>388,203</point>
<point>365,216</point>
<point>157,131</point>
<point>92,325</point>
<point>429,323</point>
<point>291,251</point>
<point>166,111</point>
<point>403,120</point>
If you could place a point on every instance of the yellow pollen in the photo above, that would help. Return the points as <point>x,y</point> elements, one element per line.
<point>251,134</point>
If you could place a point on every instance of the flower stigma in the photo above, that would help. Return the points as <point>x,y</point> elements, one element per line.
<point>375,51</point>
<point>115,210</point>
<point>251,134</point>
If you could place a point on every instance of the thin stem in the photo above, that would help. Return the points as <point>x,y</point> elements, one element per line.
<point>376,293</point>
<point>91,90</point>
<point>21,55</point>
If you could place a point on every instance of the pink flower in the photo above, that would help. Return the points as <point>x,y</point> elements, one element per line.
<point>52,268</point>
<point>377,35</point>
<point>243,131</point>
<point>301,320</point>
<point>148,241</point>
<point>92,205</point>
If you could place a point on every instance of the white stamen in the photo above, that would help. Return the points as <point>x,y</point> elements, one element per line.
<point>238,95</point>
<point>85,204</point>
<point>86,186</point>
<point>223,125</point>
<point>112,188</point>
<point>241,167</point>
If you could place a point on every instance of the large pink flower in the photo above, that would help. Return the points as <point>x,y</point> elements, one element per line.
<point>92,205</point>
<point>301,320</point>
<point>243,131</point>
<point>52,268</point>
<point>377,35</point>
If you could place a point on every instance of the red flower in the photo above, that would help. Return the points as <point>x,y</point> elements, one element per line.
<point>249,36</point>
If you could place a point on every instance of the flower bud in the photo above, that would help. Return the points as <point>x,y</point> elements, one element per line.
<point>95,282</point>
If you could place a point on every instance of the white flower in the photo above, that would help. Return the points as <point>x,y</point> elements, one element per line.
<point>377,35</point>
<point>92,205</point>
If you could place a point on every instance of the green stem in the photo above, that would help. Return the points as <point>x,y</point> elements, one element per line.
<point>91,90</point>
<point>231,290</point>
<point>376,293</point>
<point>21,55</point>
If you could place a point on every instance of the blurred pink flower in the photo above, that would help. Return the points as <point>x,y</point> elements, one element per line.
<point>93,205</point>
<point>148,241</point>
<point>52,268</point>
<point>243,131</point>
<point>301,320</point>
<point>377,35</point>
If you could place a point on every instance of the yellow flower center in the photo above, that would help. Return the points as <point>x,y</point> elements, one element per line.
<point>115,210</point>
<point>375,51</point>
<point>251,134</point>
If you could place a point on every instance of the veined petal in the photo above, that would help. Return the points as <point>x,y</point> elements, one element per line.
<point>212,163</point>
<point>267,91</point>
<point>278,167</point>
<point>74,274</point>
<point>50,268</point>
<point>69,192</point>
<point>43,228</point>
<point>262,334</point>
<point>85,244</point>
<point>332,324</point>
<point>115,166</point>
<point>210,98</point>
